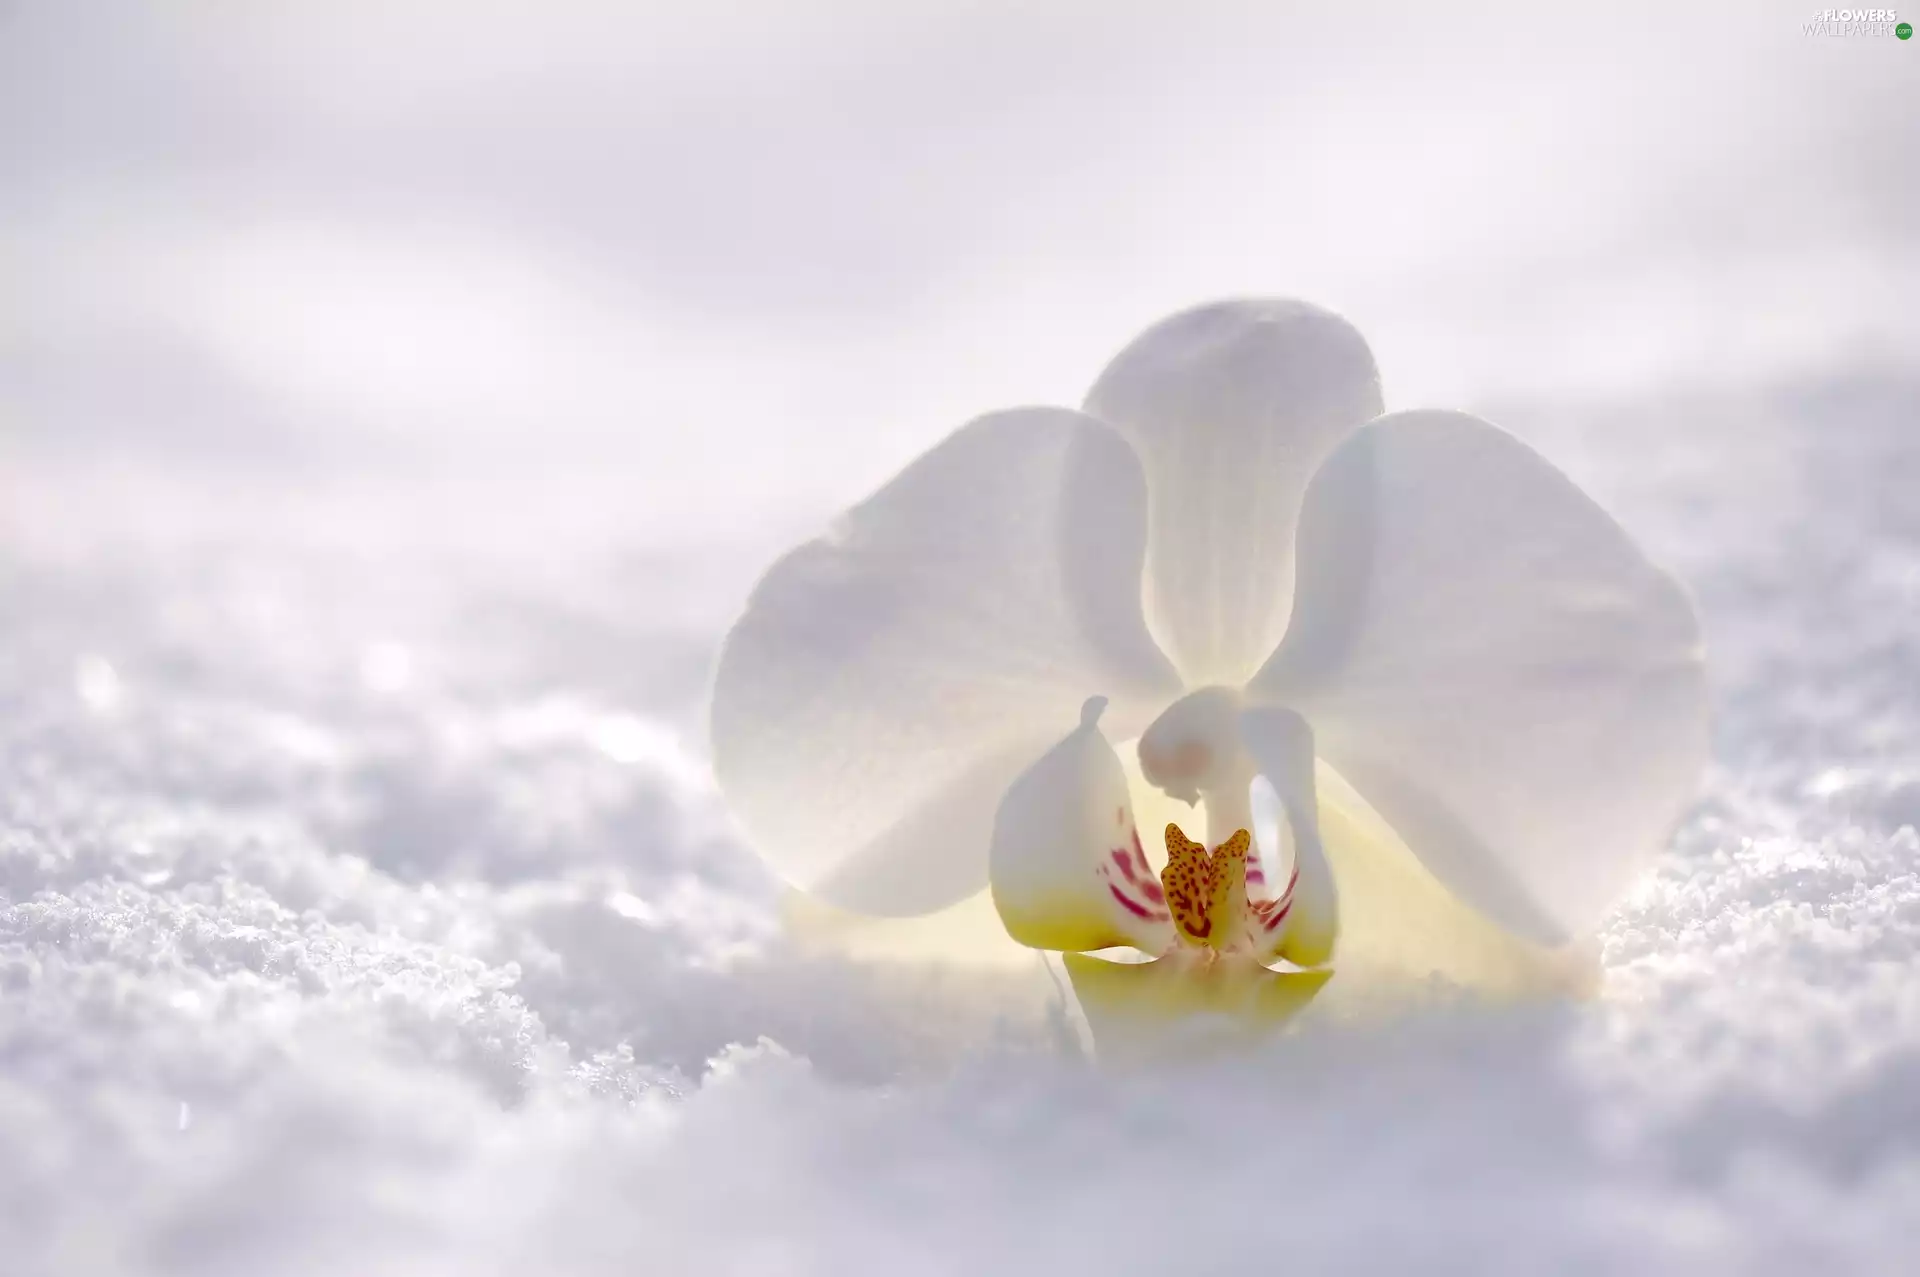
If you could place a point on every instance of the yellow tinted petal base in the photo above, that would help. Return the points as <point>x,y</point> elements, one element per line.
<point>1403,934</point>
<point>1191,1003</point>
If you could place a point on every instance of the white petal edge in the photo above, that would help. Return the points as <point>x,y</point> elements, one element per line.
<point>1489,660</point>
<point>1232,406</point>
<point>1066,868</point>
<point>890,679</point>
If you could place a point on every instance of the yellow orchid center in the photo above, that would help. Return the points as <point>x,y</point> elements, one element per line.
<point>1211,981</point>
<point>1207,894</point>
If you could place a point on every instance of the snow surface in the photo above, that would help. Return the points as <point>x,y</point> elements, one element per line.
<point>397,401</point>
<point>363,908</point>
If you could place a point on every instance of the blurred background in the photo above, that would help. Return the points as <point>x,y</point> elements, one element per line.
<point>397,401</point>
<point>759,253</point>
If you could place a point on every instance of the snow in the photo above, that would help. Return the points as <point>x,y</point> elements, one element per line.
<point>463,971</point>
<point>370,511</point>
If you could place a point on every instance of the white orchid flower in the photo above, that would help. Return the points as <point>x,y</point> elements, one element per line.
<point>1479,706</point>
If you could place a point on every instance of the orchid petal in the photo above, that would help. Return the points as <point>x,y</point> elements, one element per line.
<point>1232,407</point>
<point>891,678</point>
<point>968,935</point>
<point>1401,930</point>
<point>1361,899</point>
<point>1486,657</point>
<point>1066,865</point>
<point>1301,922</point>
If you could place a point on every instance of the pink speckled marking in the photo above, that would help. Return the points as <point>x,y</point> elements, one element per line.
<point>1143,873</point>
<point>1274,912</point>
<point>1131,905</point>
<point>1124,895</point>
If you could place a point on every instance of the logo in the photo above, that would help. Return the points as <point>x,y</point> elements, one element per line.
<point>1845,22</point>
